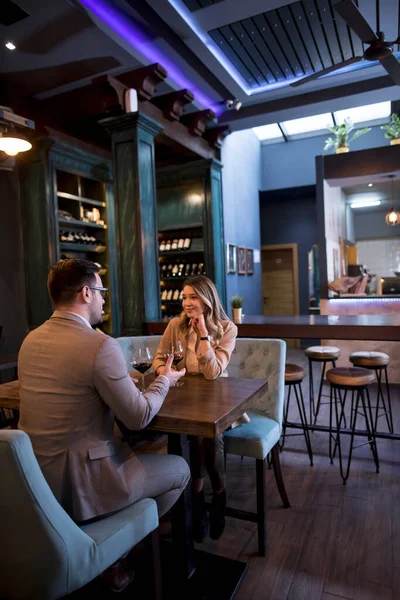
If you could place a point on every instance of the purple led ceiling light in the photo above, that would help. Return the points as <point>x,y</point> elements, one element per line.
<point>126,27</point>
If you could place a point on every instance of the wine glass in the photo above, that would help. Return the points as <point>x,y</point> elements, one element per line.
<point>141,361</point>
<point>176,349</point>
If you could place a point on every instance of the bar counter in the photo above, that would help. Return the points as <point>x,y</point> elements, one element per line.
<point>334,327</point>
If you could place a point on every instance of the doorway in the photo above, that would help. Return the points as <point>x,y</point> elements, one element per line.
<point>280,282</point>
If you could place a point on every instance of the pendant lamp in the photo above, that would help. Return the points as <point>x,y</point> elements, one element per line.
<point>393,217</point>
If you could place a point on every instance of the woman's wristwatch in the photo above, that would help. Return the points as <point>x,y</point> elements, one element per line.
<point>205,338</point>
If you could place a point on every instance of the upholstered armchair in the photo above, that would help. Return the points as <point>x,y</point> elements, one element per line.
<point>44,555</point>
<point>260,359</point>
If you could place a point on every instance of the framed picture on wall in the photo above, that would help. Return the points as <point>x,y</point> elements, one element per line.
<point>241,259</point>
<point>249,261</point>
<point>231,258</point>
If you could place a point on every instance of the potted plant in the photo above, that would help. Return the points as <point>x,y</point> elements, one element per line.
<point>237,303</point>
<point>392,129</point>
<point>342,138</point>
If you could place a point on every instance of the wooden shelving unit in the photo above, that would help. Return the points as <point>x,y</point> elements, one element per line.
<point>76,197</point>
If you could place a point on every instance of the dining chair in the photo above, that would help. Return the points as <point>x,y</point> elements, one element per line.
<point>260,359</point>
<point>43,553</point>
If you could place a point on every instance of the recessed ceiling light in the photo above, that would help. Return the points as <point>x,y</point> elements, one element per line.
<point>10,46</point>
<point>370,184</point>
<point>365,203</point>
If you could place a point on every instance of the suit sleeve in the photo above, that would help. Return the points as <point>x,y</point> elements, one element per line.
<point>215,360</point>
<point>115,386</point>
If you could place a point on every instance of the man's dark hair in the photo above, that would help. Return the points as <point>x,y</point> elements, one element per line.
<point>69,276</point>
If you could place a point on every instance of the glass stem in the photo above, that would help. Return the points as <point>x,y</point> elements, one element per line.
<point>143,383</point>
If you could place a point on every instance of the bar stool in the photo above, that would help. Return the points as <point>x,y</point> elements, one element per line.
<point>324,355</point>
<point>357,381</point>
<point>294,376</point>
<point>378,362</point>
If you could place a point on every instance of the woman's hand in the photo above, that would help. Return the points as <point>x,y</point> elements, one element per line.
<point>199,325</point>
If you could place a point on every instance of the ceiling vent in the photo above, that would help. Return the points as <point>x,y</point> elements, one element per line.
<point>11,13</point>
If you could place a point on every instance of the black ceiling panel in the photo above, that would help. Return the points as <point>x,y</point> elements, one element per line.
<point>299,39</point>
<point>198,4</point>
<point>11,13</point>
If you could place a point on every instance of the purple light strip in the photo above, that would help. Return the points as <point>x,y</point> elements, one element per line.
<point>380,299</point>
<point>129,30</point>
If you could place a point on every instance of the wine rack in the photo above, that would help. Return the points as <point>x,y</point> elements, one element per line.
<point>82,228</point>
<point>181,254</point>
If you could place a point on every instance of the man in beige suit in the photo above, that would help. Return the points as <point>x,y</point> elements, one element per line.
<point>73,383</point>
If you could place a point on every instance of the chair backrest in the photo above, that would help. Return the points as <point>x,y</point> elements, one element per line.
<point>129,343</point>
<point>42,551</point>
<point>262,359</point>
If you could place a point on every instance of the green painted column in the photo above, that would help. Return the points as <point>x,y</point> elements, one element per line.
<point>135,198</point>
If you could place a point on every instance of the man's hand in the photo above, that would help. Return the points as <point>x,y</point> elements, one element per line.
<point>132,375</point>
<point>171,375</point>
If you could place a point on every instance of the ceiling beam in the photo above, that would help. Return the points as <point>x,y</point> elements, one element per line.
<point>144,80</point>
<point>173,104</point>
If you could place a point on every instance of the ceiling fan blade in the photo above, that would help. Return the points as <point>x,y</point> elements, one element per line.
<point>319,74</point>
<point>392,66</point>
<point>354,19</point>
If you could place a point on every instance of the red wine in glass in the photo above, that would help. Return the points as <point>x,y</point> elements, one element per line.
<point>141,361</point>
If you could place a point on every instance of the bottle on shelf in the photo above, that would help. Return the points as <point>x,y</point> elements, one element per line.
<point>163,271</point>
<point>175,270</point>
<point>180,269</point>
<point>186,244</point>
<point>200,269</point>
<point>181,243</point>
<point>181,295</point>
<point>175,295</point>
<point>162,246</point>
<point>167,245</point>
<point>174,245</point>
<point>187,269</point>
<point>169,270</point>
<point>194,269</point>
<point>164,295</point>
<point>169,294</point>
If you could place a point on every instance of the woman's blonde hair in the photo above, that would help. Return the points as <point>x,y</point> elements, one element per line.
<point>214,313</point>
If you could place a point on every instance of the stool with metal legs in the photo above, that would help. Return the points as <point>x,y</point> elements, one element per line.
<point>357,381</point>
<point>294,375</point>
<point>378,362</point>
<point>324,355</point>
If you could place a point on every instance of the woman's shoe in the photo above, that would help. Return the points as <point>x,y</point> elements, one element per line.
<point>200,517</point>
<point>217,515</point>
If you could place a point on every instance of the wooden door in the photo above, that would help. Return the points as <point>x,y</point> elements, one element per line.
<point>280,281</point>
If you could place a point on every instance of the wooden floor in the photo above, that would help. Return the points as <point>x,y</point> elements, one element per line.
<point>335,541</point>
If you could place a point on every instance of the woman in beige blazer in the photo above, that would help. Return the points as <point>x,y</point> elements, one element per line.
<point>208,338</point>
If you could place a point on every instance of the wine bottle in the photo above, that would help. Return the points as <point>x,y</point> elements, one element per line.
<point>164,295</point>
<point>174,245</point>
<point>187,269</point>
<point>169,270</point>
<point>70,237</point>
<point>176,295</point>
<point>163,271</point>
<point>181,243</point>
<point>194,269</point>
<point>181,295</point>
<point>64,237</point>
<point>167,245</point>
<point>162,246</point>
<point>186,244</point>
<point>200,269</point>
<point>169,294</point>
<point>180,269</point>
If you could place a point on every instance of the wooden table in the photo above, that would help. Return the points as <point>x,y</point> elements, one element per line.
<point>205,408</point>
<point>343,327</point>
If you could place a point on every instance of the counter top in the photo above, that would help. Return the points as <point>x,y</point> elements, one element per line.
<point>343,327</point>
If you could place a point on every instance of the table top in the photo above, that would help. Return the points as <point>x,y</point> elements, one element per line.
<point>337,327</point>
<point>199,407</point>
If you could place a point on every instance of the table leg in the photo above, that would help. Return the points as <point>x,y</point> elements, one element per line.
<point>182,529</point>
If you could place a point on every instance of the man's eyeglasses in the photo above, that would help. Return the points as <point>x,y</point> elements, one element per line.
<point>103,291</point>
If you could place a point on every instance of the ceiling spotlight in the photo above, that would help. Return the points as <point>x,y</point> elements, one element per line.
<point>370,184</point>
<point>10,46</point>
<point>233,104</point>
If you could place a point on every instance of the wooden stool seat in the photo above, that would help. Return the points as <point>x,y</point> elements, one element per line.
<point>350,376</point>
<point>323,352</point>
<point>293,373</point>
<point>369,359</point>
